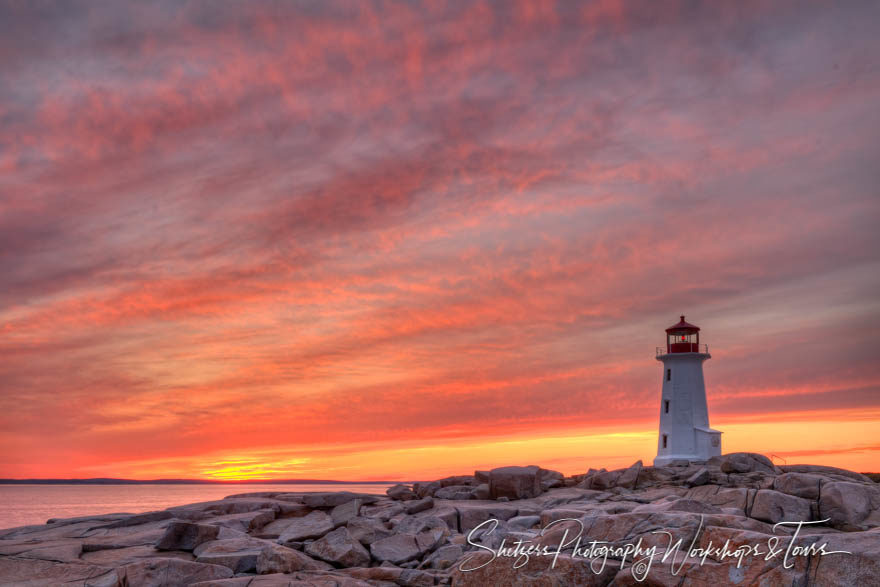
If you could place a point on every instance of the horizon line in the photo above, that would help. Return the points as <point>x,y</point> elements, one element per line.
<point>174,481</point>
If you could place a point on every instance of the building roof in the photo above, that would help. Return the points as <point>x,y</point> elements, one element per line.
<point>682,325</point>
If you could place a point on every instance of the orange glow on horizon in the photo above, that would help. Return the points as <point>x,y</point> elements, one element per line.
<point>792,438</point>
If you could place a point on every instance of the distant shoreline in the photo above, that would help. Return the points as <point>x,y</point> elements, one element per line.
<point>108,481</point>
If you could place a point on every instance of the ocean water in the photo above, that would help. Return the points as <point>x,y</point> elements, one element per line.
<point>22,505</point>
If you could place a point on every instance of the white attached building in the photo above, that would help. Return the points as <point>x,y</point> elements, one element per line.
<point>684,414</point>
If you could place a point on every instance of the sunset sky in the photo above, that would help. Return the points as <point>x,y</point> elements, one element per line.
<point>399,240</point>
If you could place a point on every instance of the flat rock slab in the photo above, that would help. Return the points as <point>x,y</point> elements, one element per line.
<point>165,572</point>
<point>746,462</point>
<point>22,572</point>
<point>147,534</point>
<point>244,522</point>
<point>64,550</point>
<point>274,529</point>
<point>118,557</point>
<point>367,530</point>
<point>243,561</point>
<point>49,531</point>
<point>395,549</point>
<point>314,525</point>
<point>333,499</point>
<point>138,519</point>
<point>237,544</point>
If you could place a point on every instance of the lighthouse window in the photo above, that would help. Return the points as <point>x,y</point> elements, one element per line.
<point>664,441</point>
<point>668,375</point>
<point>666,406</point>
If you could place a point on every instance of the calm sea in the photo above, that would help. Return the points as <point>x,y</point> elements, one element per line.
<point>21,505</point>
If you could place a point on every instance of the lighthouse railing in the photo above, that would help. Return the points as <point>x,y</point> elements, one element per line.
<point>699,348</point>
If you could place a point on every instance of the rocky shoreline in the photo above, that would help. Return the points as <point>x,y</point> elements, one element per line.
<point>464,530</point>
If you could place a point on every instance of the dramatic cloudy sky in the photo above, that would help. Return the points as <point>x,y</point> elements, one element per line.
<point>374,240</point>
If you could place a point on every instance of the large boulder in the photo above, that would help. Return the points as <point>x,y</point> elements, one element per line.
<point>419,505</point>
<point>340,549</point>
<point>239,554</point>
<point>275,529</point>
<point>401,492</point>
<point>314,525</point>
<point>186,536</point>
<point>429,531</point>
<point>515,482</point>
<point>746,462</point>
<point>275,558</point>
<point>448,514</point>
<point>847,505</point>
<point>367,530</point>
<point>602,479</point>
<point>396,549</point>
<point>773,506</point>
<point>413,538</point>
<point>799,484</point>
<point>861,567</point>
<point>341,514</point>
<point>630,476</point>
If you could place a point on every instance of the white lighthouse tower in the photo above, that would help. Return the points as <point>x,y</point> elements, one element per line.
<point>684,415</point>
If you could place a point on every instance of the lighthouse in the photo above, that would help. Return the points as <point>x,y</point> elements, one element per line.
<point>684,415</point>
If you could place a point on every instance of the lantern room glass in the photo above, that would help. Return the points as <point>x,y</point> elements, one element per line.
<point>682,342</point>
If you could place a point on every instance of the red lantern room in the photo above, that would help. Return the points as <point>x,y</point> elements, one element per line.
<point>683,338</point>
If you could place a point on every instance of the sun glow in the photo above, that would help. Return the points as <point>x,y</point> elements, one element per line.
<point>251,468</point>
